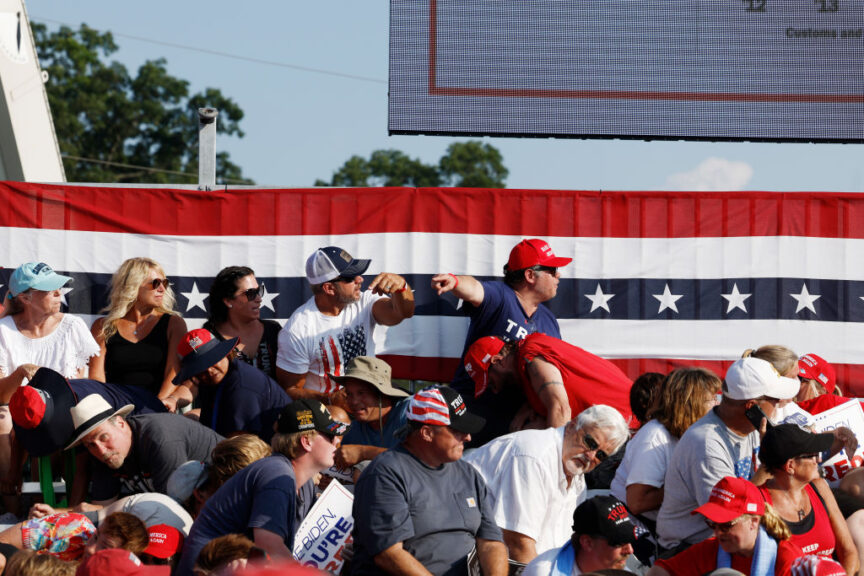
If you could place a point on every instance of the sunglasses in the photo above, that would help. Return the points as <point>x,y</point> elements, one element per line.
<point>725,527</point>
<point>344,279</point>
<point>160,282</point>
<point>814,455</point>
<point>252,293</point>
<point>592,446</point>
<point>548,269</point>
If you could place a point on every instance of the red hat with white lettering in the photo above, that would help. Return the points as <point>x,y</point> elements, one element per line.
<point>813,367</point>
<point>534,252</point>
<point>165,541</point>
<point>730,498</point>
<point>479,358</point>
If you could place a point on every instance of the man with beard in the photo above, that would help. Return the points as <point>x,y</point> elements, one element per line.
<point>137,453</point>
<point>535,477</point>
<point>336,324</point>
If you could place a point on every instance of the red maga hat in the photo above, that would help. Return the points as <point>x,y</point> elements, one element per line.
<point>479,358</point>
<point>730,498</point>
<point>534,252</point>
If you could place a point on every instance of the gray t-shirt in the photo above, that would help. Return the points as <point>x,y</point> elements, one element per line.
<point>437,513</point>
<point>707,452</point>
<point>160,444</point>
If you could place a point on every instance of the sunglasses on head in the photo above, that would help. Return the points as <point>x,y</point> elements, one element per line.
<point>724,527</point>
<point>593,446</point>
<point>159,282</point>
<point>252,293</point>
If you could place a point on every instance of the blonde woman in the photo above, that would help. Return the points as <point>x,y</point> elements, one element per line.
<point>785,362</point>
<point>140,333</point>
<point>749,536</point>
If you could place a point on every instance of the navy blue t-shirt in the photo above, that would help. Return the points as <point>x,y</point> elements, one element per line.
<point>437,513</point>
<point>363,434</point>
<point>500,314</point>
<point>117,396</point>
<point>246,400</point>
<point>262,495</point>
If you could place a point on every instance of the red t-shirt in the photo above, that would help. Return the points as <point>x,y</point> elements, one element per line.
<point>820,538</point>
<point>824,402</point>
<point>701,559</point>
<point>588,379</point>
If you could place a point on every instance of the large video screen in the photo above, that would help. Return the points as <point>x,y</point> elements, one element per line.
<point>772,70</point>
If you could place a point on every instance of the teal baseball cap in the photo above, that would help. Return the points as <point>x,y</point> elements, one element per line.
<point>35,276</point>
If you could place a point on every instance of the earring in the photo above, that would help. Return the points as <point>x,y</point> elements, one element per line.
<point>229,306</point>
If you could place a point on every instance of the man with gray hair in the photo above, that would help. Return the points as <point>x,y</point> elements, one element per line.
<point>536,477</point>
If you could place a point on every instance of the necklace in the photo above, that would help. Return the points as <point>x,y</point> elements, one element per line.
<point>142,325</point>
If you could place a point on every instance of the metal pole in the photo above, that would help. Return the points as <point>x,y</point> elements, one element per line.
<point>207,148</point>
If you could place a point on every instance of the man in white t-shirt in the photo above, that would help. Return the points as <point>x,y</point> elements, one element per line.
<point>337,323</point>
<point>536,477</point>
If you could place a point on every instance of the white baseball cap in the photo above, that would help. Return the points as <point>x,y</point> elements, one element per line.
<point>750,378</point>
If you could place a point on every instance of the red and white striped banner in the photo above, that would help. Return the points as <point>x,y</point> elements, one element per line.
<point>658,279</point>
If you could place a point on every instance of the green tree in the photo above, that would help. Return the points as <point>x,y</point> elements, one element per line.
<point>106,118</point>
<point>473,164</point>
<point>470,164</point>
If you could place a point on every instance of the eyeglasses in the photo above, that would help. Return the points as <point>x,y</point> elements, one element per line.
<point>725,527</point>
<point>548,269</point>
<point>592,446</point>
<point>252,293</point>
<point>160,282</point>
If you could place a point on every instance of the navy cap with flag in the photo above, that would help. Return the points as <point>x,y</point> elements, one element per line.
<point>199,350</point>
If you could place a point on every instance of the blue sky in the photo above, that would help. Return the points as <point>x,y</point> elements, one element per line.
<point>301,125</point>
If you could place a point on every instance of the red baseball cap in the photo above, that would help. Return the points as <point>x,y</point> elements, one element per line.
<point>730,498</point>
<point>479,358</point>
<point>165,541</point>
<point>813,367</point>
<point>534,252</point>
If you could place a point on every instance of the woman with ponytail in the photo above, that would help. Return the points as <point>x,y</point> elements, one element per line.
<point>749,536</point>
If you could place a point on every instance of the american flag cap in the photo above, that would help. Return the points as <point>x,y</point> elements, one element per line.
<point>443,406</point>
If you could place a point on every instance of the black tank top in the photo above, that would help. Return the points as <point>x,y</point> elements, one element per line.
<point>141,363</point>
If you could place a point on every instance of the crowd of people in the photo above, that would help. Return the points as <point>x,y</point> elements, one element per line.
<point>202,451</point>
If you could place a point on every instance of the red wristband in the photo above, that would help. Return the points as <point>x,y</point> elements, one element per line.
<point>454,278</point>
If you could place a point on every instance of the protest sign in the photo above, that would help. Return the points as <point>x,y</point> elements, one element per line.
<point>850,415</point>
<point>325,530</point>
